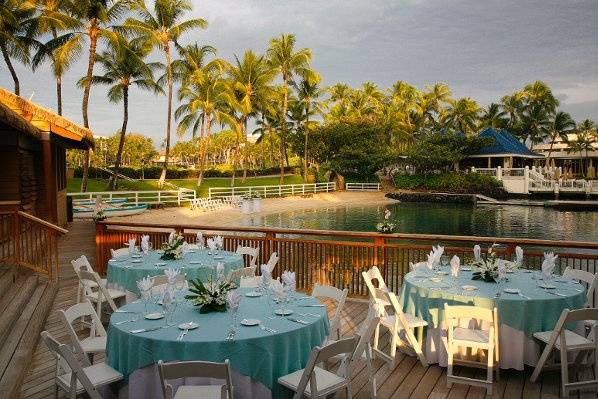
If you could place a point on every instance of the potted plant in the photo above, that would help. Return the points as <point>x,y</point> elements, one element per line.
<point>386,226</point>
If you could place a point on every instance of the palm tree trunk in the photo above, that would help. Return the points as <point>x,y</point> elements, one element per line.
<point>93,42</point>
<point>11,68</point>
<point>203,146</point>
<point>121,142</point>
<point>244,161</point>
<point>550,151</point>
<point>283,130</point>
<point>169,118</point>
<point>58,83</point>
<point>305,144</point>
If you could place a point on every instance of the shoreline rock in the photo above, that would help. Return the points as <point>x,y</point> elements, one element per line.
<point>417,196</point>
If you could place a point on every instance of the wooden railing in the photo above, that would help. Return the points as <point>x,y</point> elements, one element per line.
<point>178,196</point>
<point>272,190</point>
<point>362,186</point>
<point>28,241</point>
<point>338,257</point>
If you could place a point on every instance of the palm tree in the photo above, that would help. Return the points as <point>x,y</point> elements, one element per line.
<point>308,92</point>
<point>512,105</point>
<point>432,101</point>
<point>193,64</point>
<point>559,126</point>
<point>17,25</point>
<point>53,17</point>
<point>494,117</point>
<point>534,122</point>
<point>584,141</point>
<point>250,83</point>
<point>160,29</point>
<point>204,103</point>
<point>124,66</point>
<point>283,57</point>
<point>462,115</point>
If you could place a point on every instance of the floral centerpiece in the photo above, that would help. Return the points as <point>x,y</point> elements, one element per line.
<point>98,215</point>
<point>490,267</point>
<point>386,226</point>
<point>211,295</point>
<point>173,248</point>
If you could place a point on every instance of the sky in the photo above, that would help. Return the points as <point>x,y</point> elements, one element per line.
<point>482,49</point>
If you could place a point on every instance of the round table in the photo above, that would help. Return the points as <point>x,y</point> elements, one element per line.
<point>520,316</point>
<point>125,271</point>
<point>257,357</point>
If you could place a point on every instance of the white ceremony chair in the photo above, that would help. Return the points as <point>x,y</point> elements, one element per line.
<point>78,376</point>
<point>96,341</point>
<point>236,275</point>
<point>566,341</point>
<point>82,262</point>
<point>475,338</point>
<point>253,254</point>
<point>175,370</point>
<point>250,282</point>
<point>272,262</point>
<point>316,382</point>
<point>339,297</point>
<point>117,253</point>
<point>102,294</point>
<point>374,278</point>
<point>584,277</point>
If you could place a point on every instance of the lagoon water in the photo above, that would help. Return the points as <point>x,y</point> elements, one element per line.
<point>451,219</point>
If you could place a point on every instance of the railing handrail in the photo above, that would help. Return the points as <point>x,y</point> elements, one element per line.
<point>271,185</point>
<point>273,189</point>
<point>361,234</point>
<point>43,222</point>
<point>91,193</point>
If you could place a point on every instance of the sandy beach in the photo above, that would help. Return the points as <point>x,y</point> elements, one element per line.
<point>232,216</point>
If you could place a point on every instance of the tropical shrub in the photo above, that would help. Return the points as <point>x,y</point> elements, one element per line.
<point>452,182</point>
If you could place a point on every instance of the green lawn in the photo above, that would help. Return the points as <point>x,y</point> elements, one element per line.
<point>73,185</point>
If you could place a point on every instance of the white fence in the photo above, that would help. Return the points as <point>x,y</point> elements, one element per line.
<point>362,186</point>
<point>272,191</point>
<point>136,197</point>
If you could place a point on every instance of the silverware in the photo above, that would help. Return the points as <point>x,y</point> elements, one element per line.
<point>124,321</point>
<point>308,315</point>
<point>524,296</point>
<point>123,311</point>
<point>182,334</point>
<point>141,330</point>
<point>297,320</point>
<point>555,293</point>
<point>268,329</point>
<point>312,306</point>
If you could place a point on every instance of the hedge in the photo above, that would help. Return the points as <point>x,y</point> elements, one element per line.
<point>153,172</point>
<point>452,182</point>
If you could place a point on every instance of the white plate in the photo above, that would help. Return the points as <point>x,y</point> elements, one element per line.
<point>436,279</point>
<point>154,316</point>
<point>136,256</point>
<point>250,322</point>
<point>547,286</point>
<point>525,271</point>
<point>188,326</point>
<point>194,262</point>
<point>442,273</point>
<point>469,287</point>
<point>137,261</point>
<point>161,264</point>
<point>512,291</point>
<point>283,312</point>
<point>253,294</point>
<point>466,269</point>
<point>218,257</point>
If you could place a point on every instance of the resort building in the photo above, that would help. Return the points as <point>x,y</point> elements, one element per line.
<point>575,163</point>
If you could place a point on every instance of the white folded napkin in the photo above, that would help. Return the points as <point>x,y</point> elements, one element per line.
<point>233,299</point>
<point>211,244</point>
<point>172,275</point>
<point>199,239</point>
<point>220,270</point>
<point>145,243</point>
<point>219,241</point>
<point>518,255</point>
<point>132,245</point>
<point>288,279</point>
<point>477,253</point>
<point>431,259</point>
<point>415,266</point>
<point>277,289</point>
<point>171,237</point>
<point>549,263</point>
<point>438,252</point>
<point>455,264</point>
<point>145,284</point>
<point>166,299</point>
<point>502,269</point>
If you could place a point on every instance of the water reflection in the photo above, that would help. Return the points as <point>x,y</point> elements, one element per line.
<point>451,219</point>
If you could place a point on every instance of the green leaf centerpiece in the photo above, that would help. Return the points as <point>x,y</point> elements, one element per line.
<point>211,296</point>
<point>173,248</point>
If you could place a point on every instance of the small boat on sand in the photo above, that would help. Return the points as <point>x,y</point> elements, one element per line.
<point>109,211</point>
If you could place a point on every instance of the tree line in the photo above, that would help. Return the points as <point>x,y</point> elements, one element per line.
<point>278,92</point>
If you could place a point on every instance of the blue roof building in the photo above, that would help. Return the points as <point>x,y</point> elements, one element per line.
<point>506,151</point>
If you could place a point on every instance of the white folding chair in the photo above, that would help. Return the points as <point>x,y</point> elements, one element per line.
<point>374,278</point>
<point>174,370</point>
<point>272,262</point>
<point>566,341</point>
<point>337,295</point>
<point>316,382</point>
<point>366,332</point>
<point>102,294</point>
<point>250,282</point>
<point>235,275</point>
<point>82,262</point>
<point>590,279</point>
<point>475,338</point>
<point>78,376</point>
<point>96,341</point>
<point>117,253</point>
<point>253,254</point>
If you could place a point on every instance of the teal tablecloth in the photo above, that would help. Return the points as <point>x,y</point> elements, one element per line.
<point>424,298</point>
<point>199,264</point>
<point>261,355</point>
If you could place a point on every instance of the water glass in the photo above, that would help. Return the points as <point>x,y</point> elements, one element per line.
<point>234,310</point>
<point>146,295</point>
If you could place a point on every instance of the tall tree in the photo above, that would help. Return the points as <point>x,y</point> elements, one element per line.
<point>287,61</point>
<point>160,28</point>
<point>54,18</point>
<point>560,125</point>
<point>308,93</point>
<point>17,19</point>
<point>534,123</point>
<point>124,66</point>
<point>494,116</point>
<point>462,116</point>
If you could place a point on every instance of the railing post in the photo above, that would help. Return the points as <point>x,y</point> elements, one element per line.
<point>159,197</point>
<point>136,198</point>
<point>100,248</point>
<point>17,235</point>
<point>380,252</point>
<point>179,198</point>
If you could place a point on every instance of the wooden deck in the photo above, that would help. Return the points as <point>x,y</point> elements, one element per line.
<point>407,380</point>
